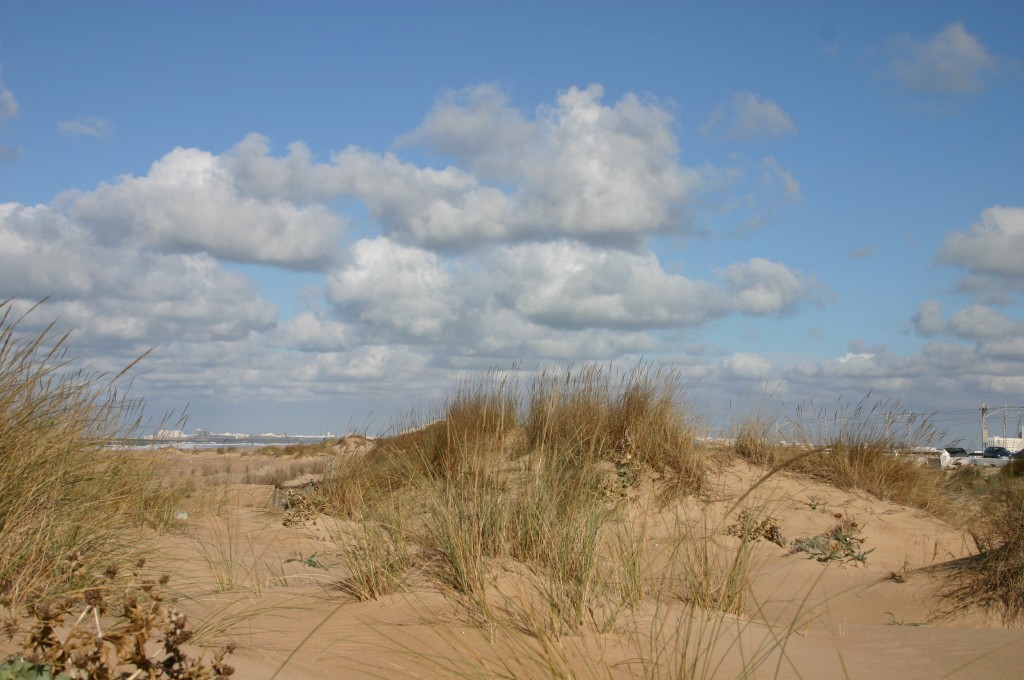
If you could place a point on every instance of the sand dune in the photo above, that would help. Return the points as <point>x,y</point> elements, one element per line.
<point>272,589</point>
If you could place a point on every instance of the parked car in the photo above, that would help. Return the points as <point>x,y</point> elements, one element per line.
<point>956,451</point>
<point>996,452</point>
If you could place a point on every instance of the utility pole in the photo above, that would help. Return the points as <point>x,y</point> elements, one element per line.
<point>984,425</point>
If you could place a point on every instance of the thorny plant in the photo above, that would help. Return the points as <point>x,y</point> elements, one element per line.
<point>842,543</point>
<point>82,635</point>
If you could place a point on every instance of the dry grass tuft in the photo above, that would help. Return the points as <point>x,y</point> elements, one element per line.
<point>490,488</point>
<point>64,492</point>
<point>993,578</point>
<point>864,447</point>
<point>637,423</point>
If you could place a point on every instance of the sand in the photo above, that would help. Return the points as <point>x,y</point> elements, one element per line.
<point>243,576</point>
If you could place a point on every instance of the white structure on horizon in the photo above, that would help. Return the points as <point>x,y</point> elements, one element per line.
<point>1011,443</point>
<point>170,434</point>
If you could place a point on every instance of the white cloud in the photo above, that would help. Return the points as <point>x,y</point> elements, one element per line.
<point>562,299</point>
<point>749,366</point>
<point>760,286</point>
<point>928,320</point>
<point>950,62</point>
<point>476,126</point>
<point>189,202</point>
<point>570,285</point>
<point>981,322</point>
<point>991,247</point>
<point>504,334</point>
<point>775,173</point>
<point>1006,349</point>
<point>96,128</point>
<point>311,331</point>
<point>579,168</point>
<point>749,116</point>
<point>8,104</point>
<point>398,289</point>
<point>532,244</point>
<point>383,364</point>
<point>851,357</point>
<point>122,294</point>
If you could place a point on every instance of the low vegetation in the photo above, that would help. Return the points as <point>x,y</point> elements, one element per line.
<point>493,483</point>
<point>141,634</point>
<point>863,447</point>
<point>64,492</point>
<point>530,508</point>
<point>993,578</point>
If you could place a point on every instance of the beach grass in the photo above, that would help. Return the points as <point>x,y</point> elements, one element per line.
<point>69,503</point>
<point>531,510</point>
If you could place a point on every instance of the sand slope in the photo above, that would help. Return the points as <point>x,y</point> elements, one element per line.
<point>242,575</point>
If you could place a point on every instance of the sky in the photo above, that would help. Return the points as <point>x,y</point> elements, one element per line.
<point>321,216</point>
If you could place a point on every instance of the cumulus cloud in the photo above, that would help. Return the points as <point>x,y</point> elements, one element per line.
<point>578,168</point>
<point>123,294</point>
<point>504,334</point>
<point>529,239</point>
<point>313,331</point>
<point>748,366</point>
<point>96,128</point>
<point>394,288</point>
<point>581,167</point>
<point>981,322</point>
<point>991,247</point>
<point>748,116</point>
<point>477,126</point>
<point>553,298</point>
<point>760,286</point>
<point>571,285</point>
<point>950,62</point>
<point>928,320</point>
<point>189,202</point>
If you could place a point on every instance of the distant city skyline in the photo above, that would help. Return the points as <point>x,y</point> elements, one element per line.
<point>325,216</point>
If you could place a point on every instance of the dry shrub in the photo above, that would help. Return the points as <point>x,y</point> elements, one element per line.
<point>867,447</point>
<point>140,634</point>
<point>637,422</point>
<point>994,577</point>
<point>300,450</point>
<point>283,473</point>
<point>64,491</point>
<point>377,559</point>
<point>758,443</point>
<point>484,486</point>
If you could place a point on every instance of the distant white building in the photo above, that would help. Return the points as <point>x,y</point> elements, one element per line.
<point>170,434</point>
<point>1011,443</point>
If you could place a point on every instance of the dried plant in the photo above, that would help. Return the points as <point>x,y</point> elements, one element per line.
<point>84,635</point>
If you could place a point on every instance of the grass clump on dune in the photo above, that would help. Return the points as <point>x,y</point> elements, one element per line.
<point>492,484</point>
<point>864,448</point>
<point>993,578</point>
<point>67,499</point>
<point>637,423</point>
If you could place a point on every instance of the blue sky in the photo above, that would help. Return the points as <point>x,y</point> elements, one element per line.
<point>321,215</point>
